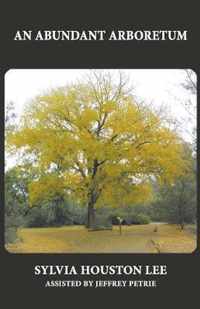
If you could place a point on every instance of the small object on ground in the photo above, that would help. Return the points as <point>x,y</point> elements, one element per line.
<point>155,229</point>
<point>156,246</point>
<point>120,224</point>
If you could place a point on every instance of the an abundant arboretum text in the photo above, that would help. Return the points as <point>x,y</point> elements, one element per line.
<point>101,35</point>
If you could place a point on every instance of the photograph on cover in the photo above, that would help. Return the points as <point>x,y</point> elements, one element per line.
<point>100,161</point>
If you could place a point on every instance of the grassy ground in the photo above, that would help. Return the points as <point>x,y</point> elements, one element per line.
<point>134,239</point>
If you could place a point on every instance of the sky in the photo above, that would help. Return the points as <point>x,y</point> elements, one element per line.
<point>159,87</point>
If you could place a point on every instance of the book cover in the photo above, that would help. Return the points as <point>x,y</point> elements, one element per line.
<point>99,182</point>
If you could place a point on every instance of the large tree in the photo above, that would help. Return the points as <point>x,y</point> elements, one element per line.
<point>92,141</point>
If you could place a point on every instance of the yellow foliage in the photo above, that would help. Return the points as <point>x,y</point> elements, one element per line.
<point>90,140</point>
<point>48,187</point>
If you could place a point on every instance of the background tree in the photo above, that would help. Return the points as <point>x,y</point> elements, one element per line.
<point>190,105</point>
<point>15,203</point>
<point>93,142</point>
<point>177,202</point>
<point>190,82</point>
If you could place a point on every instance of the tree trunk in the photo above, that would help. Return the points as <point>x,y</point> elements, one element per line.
<point>91,210</point>
<point>181,216</point>
<point>93,196</point>
<point>90,216</point>
<point>182,225</point>
<point>120,228</point>
<point>181,209</point>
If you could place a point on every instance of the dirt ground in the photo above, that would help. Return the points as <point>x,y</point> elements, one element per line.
<point>77,239</point>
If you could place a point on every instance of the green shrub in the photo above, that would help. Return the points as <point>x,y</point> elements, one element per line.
<point>102,222</point>
<point>131,219</point>
<point>12,222</point>
<point>10,235</point>
<point>140,219</point>
<point>48,215</point>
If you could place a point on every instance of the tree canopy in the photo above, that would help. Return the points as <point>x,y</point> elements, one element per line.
<point>92,141</point>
